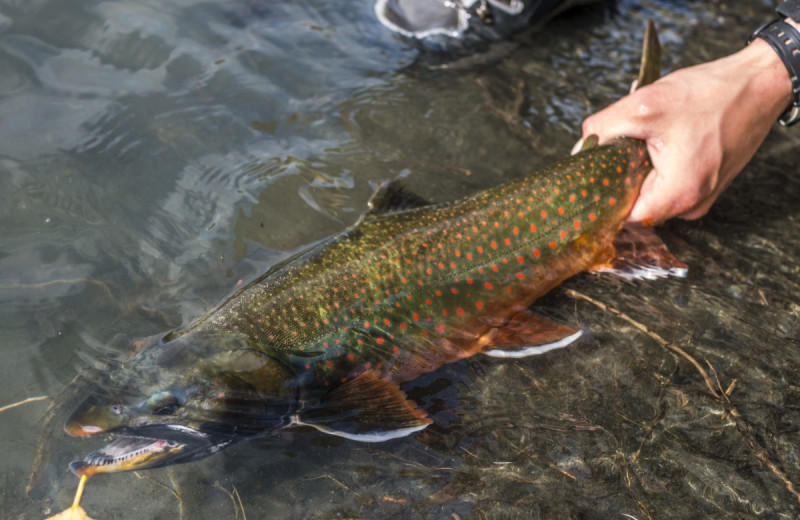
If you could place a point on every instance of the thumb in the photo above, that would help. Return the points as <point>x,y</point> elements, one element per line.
<point>631,116</point>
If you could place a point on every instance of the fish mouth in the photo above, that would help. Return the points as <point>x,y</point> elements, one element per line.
<point>153,447</point>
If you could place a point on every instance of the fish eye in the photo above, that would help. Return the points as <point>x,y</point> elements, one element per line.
<point>116,409</point>
<point>165,402</point>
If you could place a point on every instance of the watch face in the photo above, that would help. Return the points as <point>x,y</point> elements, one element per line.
<point>790,9</point>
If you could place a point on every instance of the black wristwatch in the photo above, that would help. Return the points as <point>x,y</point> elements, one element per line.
<point>785,39</point>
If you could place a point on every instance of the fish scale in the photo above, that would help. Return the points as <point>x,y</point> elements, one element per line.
<point>404,291</point>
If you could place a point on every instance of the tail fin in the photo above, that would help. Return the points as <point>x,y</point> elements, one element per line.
<point>650,69</point>
<point>649,72</point>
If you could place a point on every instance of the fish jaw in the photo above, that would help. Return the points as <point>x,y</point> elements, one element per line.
<point>148,447</point>
<point>179,401</point>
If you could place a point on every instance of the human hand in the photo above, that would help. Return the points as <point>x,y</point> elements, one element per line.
<point>702,125</point>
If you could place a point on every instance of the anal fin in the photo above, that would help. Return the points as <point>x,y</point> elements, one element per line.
<point>640,253</point>
<point>528,334</point>
<point>367,409</point>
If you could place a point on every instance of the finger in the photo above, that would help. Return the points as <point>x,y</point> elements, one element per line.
<point>661,199</point>
<point>650,207</point>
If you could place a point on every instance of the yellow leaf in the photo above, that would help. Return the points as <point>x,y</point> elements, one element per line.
<point>73,513</point>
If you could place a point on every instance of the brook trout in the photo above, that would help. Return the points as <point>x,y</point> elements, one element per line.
<point>327,338</point>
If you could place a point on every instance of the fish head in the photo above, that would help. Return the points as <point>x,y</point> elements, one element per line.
<point>180,400</point>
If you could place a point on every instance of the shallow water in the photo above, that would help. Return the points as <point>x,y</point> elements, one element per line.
<point>153,155</point>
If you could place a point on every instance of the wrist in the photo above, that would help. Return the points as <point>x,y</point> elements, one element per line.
<point>768,76</point>
<point>783,37</point>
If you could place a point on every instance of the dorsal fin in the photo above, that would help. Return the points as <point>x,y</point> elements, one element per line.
<point>392,196</point>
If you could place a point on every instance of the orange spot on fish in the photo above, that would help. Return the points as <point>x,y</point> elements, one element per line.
<point>488,286</point>
<point>459,311</point>
<point>577,224</point>
<point>351,356</point>
<point>552,245</point>
<point>479,305</point>
<point>560,211</point>
<point>533,228</point>
<point>440,328</point>
<point>536,253</point>
<point>562,234</point>
<point>592,217</point>
<point>612,201</point>
<point>544,214</point>
<point>515,230</point>
<point>605,182</point>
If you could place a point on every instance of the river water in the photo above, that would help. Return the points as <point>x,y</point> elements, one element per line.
<point>154,154</point>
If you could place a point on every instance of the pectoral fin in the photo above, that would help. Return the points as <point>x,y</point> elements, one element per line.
<point>366,409</point>
<point>528,334</point>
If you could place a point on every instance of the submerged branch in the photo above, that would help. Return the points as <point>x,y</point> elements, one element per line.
<point>714,387</point>
<point>24,402</point>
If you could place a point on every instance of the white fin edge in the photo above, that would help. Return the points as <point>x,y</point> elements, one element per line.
<point>534,351</point>
<point>367,437</point>
<point>647,272</point>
